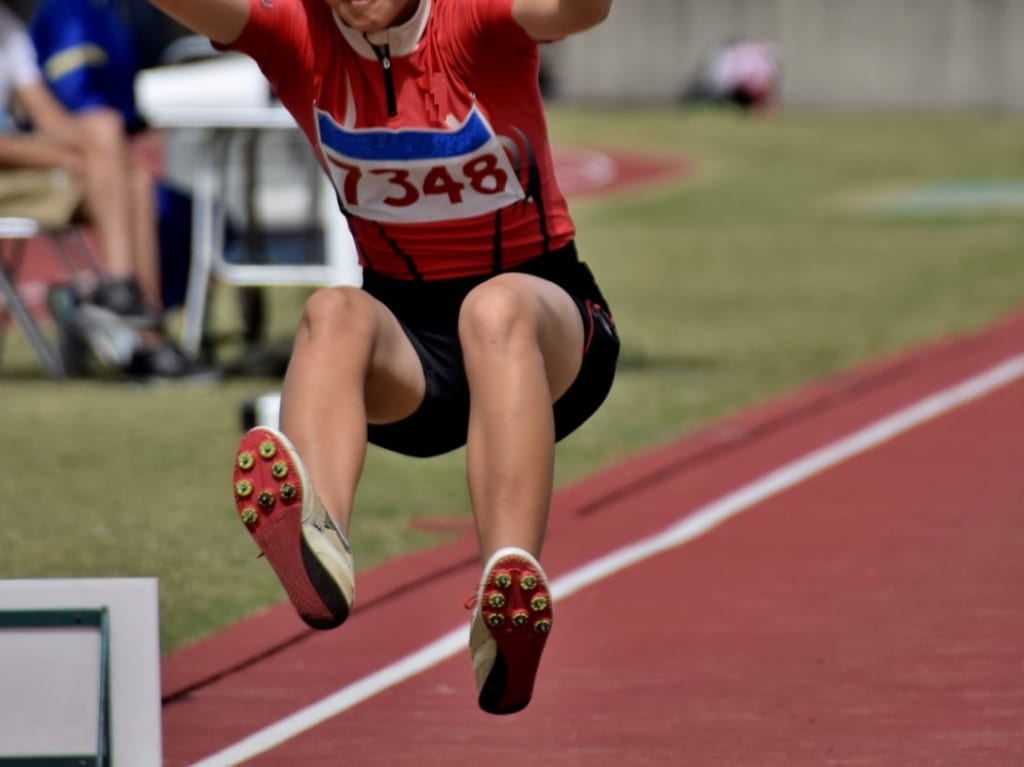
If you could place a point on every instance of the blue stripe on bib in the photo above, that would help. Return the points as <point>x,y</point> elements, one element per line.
<point>405,144</point>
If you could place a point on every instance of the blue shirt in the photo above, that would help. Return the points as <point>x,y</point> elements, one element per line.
<point>88,54</point>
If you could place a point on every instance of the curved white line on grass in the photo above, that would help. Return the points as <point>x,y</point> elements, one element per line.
<point>687,529</point>
<point>584,170</point>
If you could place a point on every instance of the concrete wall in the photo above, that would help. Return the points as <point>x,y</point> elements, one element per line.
<point>862,54</point>
<point>838,54</point>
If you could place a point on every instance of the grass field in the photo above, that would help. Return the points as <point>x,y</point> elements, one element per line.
<point>767,267</point>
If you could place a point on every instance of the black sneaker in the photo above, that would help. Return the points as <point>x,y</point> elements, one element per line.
<point>122,296</point>
<point>165,361</point>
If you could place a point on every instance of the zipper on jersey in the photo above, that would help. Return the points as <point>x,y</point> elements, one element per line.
<point>384,57</point>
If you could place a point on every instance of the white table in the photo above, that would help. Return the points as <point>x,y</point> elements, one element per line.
<point>219,127</point>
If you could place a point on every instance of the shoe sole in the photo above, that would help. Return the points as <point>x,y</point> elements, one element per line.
<point>269,490</point>
<point>515,605</point>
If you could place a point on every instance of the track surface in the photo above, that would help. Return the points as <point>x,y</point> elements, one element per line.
<point>834,578</point>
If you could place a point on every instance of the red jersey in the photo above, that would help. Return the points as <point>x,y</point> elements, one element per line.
<point>433,132</point>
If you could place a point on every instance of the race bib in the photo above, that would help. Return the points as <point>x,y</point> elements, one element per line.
<point>419,175</point>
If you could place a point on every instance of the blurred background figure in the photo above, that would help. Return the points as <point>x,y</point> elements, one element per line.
<point>742,72</point>
<point>59,168</point>
<point>90,52</point>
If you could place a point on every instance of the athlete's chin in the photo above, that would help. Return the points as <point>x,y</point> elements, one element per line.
<point>362,15</point>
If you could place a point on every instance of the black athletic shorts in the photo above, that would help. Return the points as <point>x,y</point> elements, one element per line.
<point>429,313</point>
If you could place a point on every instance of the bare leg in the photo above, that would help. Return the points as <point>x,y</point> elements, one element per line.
<point>107,187</point>
<point>145,244</point>
<point>522,339</point>
<point>351,362</point>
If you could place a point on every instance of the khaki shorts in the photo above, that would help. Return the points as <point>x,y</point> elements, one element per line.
<point>51,197</point>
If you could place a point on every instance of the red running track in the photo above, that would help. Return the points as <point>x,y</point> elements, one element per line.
<point>851,601</point>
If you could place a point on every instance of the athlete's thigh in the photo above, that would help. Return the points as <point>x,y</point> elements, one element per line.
<point>395,381</point>
<point>557,322</point>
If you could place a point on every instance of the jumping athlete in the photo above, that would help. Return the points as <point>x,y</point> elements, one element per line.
<point>476,323</point>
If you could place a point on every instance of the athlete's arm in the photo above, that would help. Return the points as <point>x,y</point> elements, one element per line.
<point>546,20</point>
<point>220,20</point>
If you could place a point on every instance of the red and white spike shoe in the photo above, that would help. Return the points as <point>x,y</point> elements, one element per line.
<point>511,623</point>
<point>277,503</point>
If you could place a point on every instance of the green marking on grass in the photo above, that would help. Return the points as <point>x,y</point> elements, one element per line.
<point>957,196</point>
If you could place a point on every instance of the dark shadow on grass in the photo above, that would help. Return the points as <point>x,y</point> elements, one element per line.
<point>25,375</point>
<point>639,360</point>
<point>269,359</point>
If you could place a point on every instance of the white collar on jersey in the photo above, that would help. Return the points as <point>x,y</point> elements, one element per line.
<point>401,40</point>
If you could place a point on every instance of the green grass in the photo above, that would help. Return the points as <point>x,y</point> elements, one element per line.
<point>762,270</point>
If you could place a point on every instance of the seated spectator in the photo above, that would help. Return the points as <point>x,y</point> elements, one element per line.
<point>87,55</point>
<point>90,54</point>
<point>741,72</point>
<point>67,165</point>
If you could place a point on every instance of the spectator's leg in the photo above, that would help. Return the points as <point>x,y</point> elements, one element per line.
<point>120,204</point>
<point>107,192</point>
<point>145,240</point>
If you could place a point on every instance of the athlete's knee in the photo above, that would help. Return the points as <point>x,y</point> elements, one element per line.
<point>499,311</point>
<point>337,312</point>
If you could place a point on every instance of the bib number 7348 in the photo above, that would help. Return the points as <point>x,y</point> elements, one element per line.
<point>426,190</point>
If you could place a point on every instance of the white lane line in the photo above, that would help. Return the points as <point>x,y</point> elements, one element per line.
<point>687,529</point>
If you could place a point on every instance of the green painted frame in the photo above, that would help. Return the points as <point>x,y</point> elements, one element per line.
<point>61,619</point>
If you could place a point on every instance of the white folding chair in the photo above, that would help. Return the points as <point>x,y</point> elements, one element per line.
<point>269,181</point>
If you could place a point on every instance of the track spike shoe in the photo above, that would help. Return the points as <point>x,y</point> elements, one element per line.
<point>510,625</point>
<point>279,507</point>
